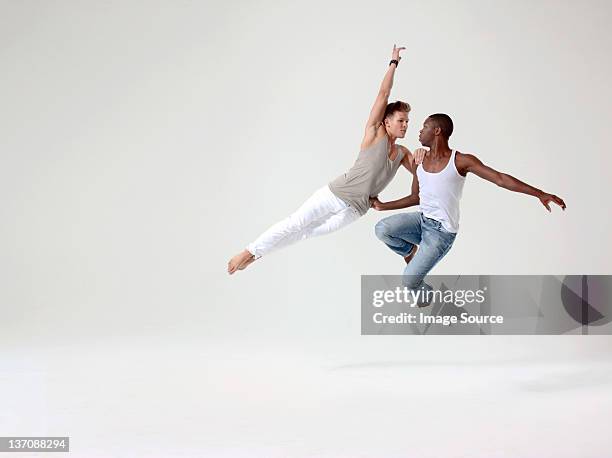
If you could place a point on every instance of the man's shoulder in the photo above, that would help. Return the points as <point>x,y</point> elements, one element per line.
<point>466,162</point>
<point>406,154</point>
<point>465,157</point>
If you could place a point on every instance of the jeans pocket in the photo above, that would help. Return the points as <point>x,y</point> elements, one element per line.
<point>444,231</point>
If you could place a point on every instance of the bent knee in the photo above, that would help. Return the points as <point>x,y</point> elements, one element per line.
<point>381,230</point>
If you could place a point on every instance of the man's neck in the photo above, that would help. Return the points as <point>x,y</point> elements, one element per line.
<point>439,149</point>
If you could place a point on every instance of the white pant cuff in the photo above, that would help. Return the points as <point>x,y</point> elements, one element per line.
<point>253,251</point>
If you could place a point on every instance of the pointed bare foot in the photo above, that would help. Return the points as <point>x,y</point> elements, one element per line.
<point>247,263</point>
<point>234,264</point>
<point>410,255</point>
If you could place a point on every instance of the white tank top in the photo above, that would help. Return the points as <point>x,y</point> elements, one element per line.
<point>439,194</point>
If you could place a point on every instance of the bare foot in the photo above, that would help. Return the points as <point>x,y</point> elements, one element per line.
<point>247,263</point>
<point>237,261</point>
<point>410,255</point>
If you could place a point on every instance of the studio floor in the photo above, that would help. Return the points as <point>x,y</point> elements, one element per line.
<point>487,396</point>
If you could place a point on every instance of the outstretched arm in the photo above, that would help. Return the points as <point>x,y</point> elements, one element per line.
<point>470,163</point>
<point>382,99</point>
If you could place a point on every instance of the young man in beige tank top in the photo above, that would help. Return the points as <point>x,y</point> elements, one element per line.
<point>349,196</point>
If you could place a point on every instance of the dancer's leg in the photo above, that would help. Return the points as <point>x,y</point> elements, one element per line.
<point>303,234</point>
<point>400,232</point>
<point>331,224</point>
<point>435,244</point>
<point>326,225</point>
<point>320,206</point>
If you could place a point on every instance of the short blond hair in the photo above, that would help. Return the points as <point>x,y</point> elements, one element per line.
<point>396,106</point>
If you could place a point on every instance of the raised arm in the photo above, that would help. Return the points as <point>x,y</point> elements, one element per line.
<point>470,163</point>
<point>382,99</point>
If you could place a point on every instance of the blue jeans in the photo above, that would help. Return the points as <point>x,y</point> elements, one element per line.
<point>402,231</point>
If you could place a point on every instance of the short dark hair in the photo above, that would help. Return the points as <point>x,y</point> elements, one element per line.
<point>444,122</point>
<point>395,106</point>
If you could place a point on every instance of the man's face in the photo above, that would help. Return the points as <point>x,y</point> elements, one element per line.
<point>397,124</point>
<point>427,133</point>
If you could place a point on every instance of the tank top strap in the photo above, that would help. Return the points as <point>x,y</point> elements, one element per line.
<point>400,154</point>
<point>453,164</point>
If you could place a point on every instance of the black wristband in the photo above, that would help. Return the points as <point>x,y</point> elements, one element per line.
<point>393,61</point>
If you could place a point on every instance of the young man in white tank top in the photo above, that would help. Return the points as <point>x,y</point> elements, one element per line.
<point>423,238</point>
<point>347,197</point>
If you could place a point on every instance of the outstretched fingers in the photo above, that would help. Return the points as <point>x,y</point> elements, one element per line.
<point>559,202</point>
<point>552,198</point>
<point>395,54</point>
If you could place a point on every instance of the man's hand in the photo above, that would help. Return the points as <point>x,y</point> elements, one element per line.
<point>375,203</point>
<point>418,155</point>
<point>547,198</point>
<point>395,54</point>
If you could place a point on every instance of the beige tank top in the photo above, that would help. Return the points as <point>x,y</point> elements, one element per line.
<point>371,173</point>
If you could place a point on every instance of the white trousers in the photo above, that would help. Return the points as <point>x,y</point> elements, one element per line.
<point>321,214</point>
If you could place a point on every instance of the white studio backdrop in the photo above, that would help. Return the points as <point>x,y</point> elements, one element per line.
<point>145,143</point>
